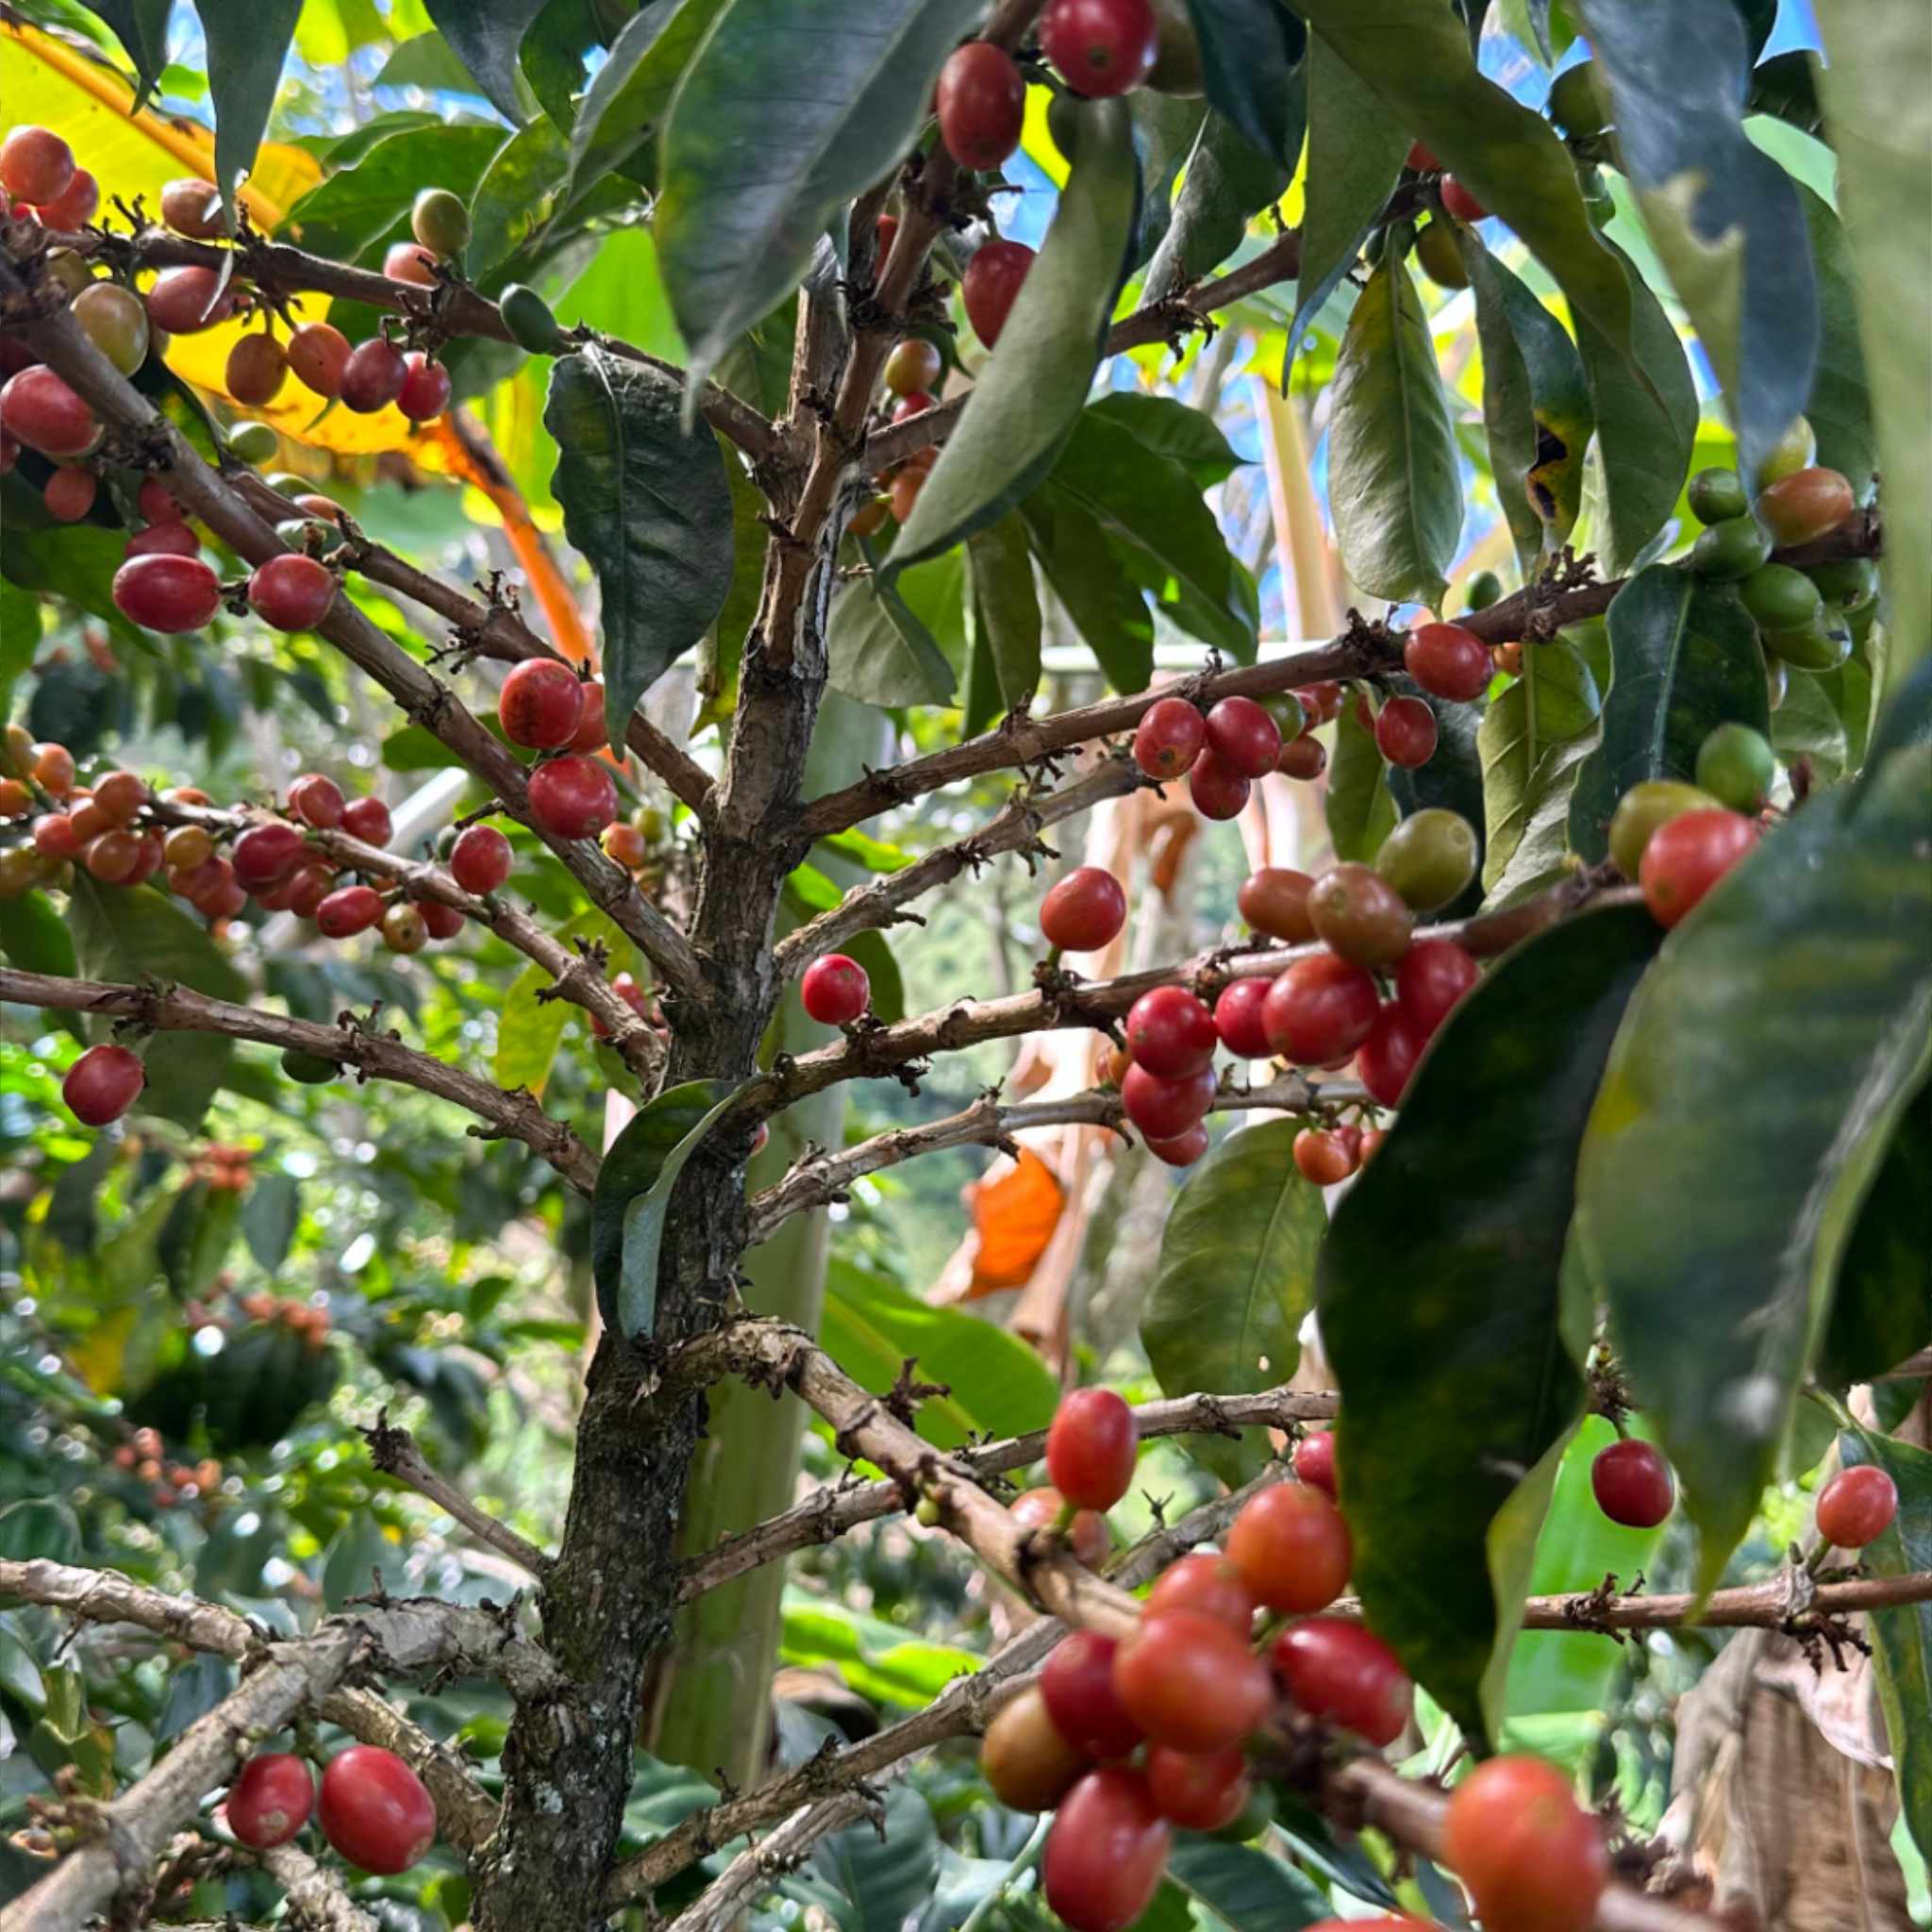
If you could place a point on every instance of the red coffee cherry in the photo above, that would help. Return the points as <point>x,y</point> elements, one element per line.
<point>348,911</point>
<point>54,834</point>
<point>1291,1544</point>
<point>118,796</point>
<point>1218,791</point>
<point>592,733</point>
<point>113,857</point>
<point>1314,1460</point>
<point>409,261</point>
<point>1406,732</point>
<point>1170,1033</point>
<point>1084,912</point>
<point>256,368</point>
<point>1077,1683</point>
<point>266,855</point>
<point>1321,703</point>
<point>1090,1448</point>
<point>1182,1150</point>
<point>270,1799</point>
<point>1190,1681</point>
<point>573,797</point>
<point>480,859</point>
<point>1200,1791</point>
<point>316,800</point>
<point>103,1084</point>
<point>1360,915</point>
<point>982,105</point>
<point>292,592</point>
<point>542,704</point>
<point>1345,1674</point>
<point>74,206</point>
<point>1274,900</point>
<point>425,389</point>
<point>156,502</point>
<point>1459,202</point>
<point>1422,159</point>
<point>835,990</point>
<point>1165,1110</point>
<point>1632,1484</point>
<point>1168,737</point>
<point>185,301</point>
<point>905,494</point>
<point>1434,976</point>
<point>318,355</point>
<point>1856,1506</point>
<point>1387,1056</point>
<point>1448,661</point>
<point>915,366</point>
<point>372,376</point>
<point>1208,1586</point>
<point>375,1810</point>
<point>163,539</point>
<point>1303,757</point>
<point>1101,47</point>
<point>305,888</point>
<point>1325,1155</point>
<point>36,165</point>
<point>39,411</point>
<point>1243,737</point>
<point>1104,1853</point>
<point>990,283</point>
<point>368,820</point>
<point>1237,1018</point>
<point>1687,855</point>
<point>1320,1011</point>
<point>70,494</point>
<point>1804,506</point>
<point>1532,1860</point>
<point>1024,1757</point>
<point>1040,1509</point>
<point>194,208</point>
<point>167,593</point>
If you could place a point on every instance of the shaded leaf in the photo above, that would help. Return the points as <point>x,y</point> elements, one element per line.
<point>878,1875</point>
<point>1806,725</point>
<point>1839,406</point>
<point>248,43</point>
<point>629,94</point>
<point>1249,50</point>
<point>142,27</point>
<point>1745,1107</point>
<point>269,1217</point>
<point>1005,609</point>
<point>1442,1311</point>
<point>888,1000</point>
<point>1228,181</point>
<point>1107,608</point>
<point>486,35</point>
<point>880,649</point>
<point>1528,728</point>
<point>1359,805</point>
<point>35,938</point>
<point>510,197</point>
<point>1246,1889</point>
<point>42,1529</point>
<point>1188,436</point>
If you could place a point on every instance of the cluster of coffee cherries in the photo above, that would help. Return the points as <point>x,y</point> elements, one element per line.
<point>1439,246</point>
<point>309,1320</point>
<point>1127,1738</point>
<point>144,1455</point>
<point>225,1167</point>
<point>374,1810</point>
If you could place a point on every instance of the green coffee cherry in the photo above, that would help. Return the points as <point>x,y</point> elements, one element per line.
<point>1579,103</point>
<point>528,319</point>
<point>1286,709</point>
<point>1733,548</point>
<point>1484,588</point>
<point>1781,598</point>
<point>254,442</point>
<point>1717,495</point>
<point>284,483</point>
<point>1822,645</point>
<point>1736,766</point>
<point>440,222</point>
<point>1440,254</point>
<point>1641,810</point>
<point>311,1069</point>
<point>1429,857</point>
<point>1850,584</point>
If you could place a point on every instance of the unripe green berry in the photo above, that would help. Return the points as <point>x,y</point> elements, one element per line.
<point>440,222</point>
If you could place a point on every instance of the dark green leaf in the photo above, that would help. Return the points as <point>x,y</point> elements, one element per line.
<point>20,636</point>
<point>248,43</point>
<point>1880,1311</point>
<point>1785,86</point>
<point>1248,1890</point>
<point>195,1689</point>
<point>429,62</point>
<point>486,35</point>
<point>1342,1861</point>
<point>73,561</point>
<point>1005,609</point>
<point>1166,127</point>
<point>1442,1310</point>
<point>782,116</point>
<point>631,92</point>
<point>1722,214</point>
<point>142,27</point>
<point>1359,805</point>
<point>1188,436</point>
<point>1236,1275</point>
<point>1839,406</point>
<point>1249,50</point>
<point>879,1876</point>
<point>1902,1638</point>
<point>269,1217</point>
<point>1451,781</point>
<point>1685,658</point>
<point>1745,1107</point>
<point>1526,744</point>
<point>1806,725</point>
<point>1107,608</point>
<point>1228,181</point>
<point>880,646</point>
<point>1508,405</point>
<point>196,1237</point>
<point>1392,481</point>
<point>649,504</point>
<point>41,1530</point>
<point>35,938</point>
<point>510,198</point>
<point>1030,394</point>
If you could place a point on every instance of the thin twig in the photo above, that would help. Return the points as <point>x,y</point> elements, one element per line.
<point>394,1451</point>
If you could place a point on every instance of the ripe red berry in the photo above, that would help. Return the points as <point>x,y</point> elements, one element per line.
<point>118,796</point>
<point>1459,202</point>
<point>835,990</point>
<point>1040,1509</point>
<point>1024,1757</point>
<point>1170,1033</point>
<point>1078,1682</point>
<point>1101,47</point>
<point>266,855</point>
<point>1274,900</point>
<point>592,733</point>
<point>368,820</point>
<point>305,888</point>
<point>1687,855</point>
<point>316,800</point>
<point>1422,159</point>
<point>990,283</point>
<point>70,494</point>
<point>36,165</point>
<point>1218,791</point>
<point>185,301</point>
<point>1345,1674</point>
<point>318,354</point>
<point>480,859</point>
<point>1532,1860</point>
<point>1314,1460</point>
<point>1237,1018</point>
<point>1104,1853</point>
<point>292,592</point>
<point>373,375</point>
<point>542,704</point>
<point>1243,737</point>
<point>103,1084</point>
<point>409,261</point>
<point>163,539</point>
<point>1190,1681</point>
<point>1164,1109</point>
<point>982,105</point>
<point>1292,1547</point>
<point>1168,737</point>
<point>168,593</point>
<point>40,409</point>
<point>1857,1505</point>
<point>1448,661</point>
<point>425,388</point>
<point>270,1799</point>
<point>1181,1150</point>
<point>1199,1791</point>
<point>1434,976</point>
<point>75,205</point>
<point>1303,757</point>
<point>374,1809</point>
<point>573,797</point>
<point>1090,1448</point>
<point>905,494</point>
<point>1207,1585</point>
<point>1632,1484</point>
<point>1320,1011</point>
<point>1360,915</point>
<point>54,834</point>
<point>1386,1057</point>
<point>348,911</point>
<point>156,502</point>
<point>1406,732</point>
<point>192,207</point>
<point>1084,912</point>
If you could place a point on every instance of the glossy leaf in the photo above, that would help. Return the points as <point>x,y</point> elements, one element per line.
<point>1902,1638</point>
<point>1509,404</point>
<point>1392,481</point>
<point>248,43</point>
<point>1171,429</point>
<point>1029,396</point>
<point>781,116</point>
<point>1227,182</point>
<point>648,503</point>
<point>629,94</point>
<point>1529,728</point>
<point>1441,1308</point>
<point>1880,1312</point>
<point>1235,1277</point>
<point>1746,1107</point>
<point>1360,807</point>
<point>34,937</point>
<point>1685,658</point>
<point>1249,50</point>
<point>1839,406</point>
<point>142,27</point>
<point>1249,1890</point>
<point>1415,56</point>
<point>486,35</point>
<point>1005,609</point>
<point>880,648</point>
<point>1109,611</point>
<point>512,195</point>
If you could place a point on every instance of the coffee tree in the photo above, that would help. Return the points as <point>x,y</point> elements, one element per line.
<point>1606,1024</point>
